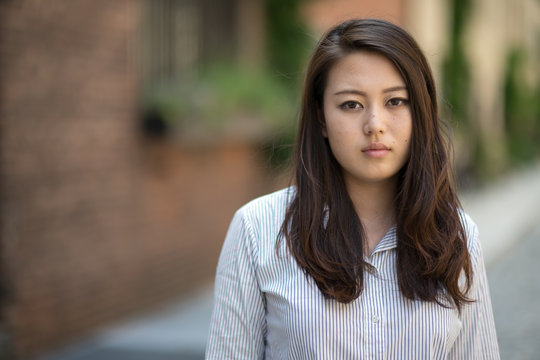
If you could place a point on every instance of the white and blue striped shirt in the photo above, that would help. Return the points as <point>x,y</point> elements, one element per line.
<point>265,307</point>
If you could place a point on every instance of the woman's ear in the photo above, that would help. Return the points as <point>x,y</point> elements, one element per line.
<point>322,122</point>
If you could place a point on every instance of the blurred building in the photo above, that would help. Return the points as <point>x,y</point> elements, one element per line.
<point>181,36</point>
<point>495,30</point>
<point>99,221</point>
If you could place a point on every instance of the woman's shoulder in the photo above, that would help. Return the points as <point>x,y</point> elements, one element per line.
<point>275,202</point>
<point>267,212</point>
<point>471,231</point>
<point>262,219</point>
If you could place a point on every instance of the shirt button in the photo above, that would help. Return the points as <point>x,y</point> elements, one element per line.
<point>375,319</point>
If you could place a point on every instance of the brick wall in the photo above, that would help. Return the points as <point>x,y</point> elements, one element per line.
<point>96,222</point>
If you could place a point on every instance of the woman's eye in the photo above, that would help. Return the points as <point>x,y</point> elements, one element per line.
<point>397,102</point>
<point>351,105</point>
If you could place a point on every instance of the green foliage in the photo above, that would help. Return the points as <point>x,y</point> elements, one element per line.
<point>288,42</point>
<point>456,89</point>
<point>456,85</point>
<point>246,92</point>
<point>461,11</point>
<point>221,94</point>
<point>456,77</point>
<point>522,112</point>
<point>288,46</point>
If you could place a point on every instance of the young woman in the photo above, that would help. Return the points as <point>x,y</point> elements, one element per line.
<point>369,255</point>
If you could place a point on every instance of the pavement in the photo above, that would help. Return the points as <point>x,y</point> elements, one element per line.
<point>515,290</point>
<point>508,216</point>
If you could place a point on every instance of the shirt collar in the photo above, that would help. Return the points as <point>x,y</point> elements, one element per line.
<point>388,242</point>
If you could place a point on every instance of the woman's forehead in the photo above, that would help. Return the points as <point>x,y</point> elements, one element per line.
<point>362,71</point>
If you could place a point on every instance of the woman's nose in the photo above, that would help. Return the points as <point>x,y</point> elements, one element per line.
<point>374,123</point>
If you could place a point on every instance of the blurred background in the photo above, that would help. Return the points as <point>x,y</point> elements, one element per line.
<point>131,130</point>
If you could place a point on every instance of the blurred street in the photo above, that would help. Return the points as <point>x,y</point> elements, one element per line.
<point>515,290</point>
<point>180,331</point>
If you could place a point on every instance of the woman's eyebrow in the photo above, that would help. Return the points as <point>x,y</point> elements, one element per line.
<point>350,91</point>
<point>395,88</point>
<point>362,93</point>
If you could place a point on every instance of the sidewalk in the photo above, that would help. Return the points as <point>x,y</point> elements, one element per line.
<point>506,212</point>
<point>515,290</point>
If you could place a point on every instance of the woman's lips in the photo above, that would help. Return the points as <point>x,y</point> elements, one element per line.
<point>376,150</point>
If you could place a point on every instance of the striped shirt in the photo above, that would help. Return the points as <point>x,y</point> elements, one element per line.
<point>265,307</point>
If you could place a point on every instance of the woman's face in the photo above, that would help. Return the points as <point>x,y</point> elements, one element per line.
<point>367,117</point>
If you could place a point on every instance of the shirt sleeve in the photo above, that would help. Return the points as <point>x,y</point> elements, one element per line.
<point>238,324</point>
<point>478,338</point>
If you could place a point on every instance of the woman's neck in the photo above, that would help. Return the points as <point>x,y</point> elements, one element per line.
<point>374,205</point>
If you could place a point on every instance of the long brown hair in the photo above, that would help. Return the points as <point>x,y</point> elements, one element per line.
<point>321,227</point>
